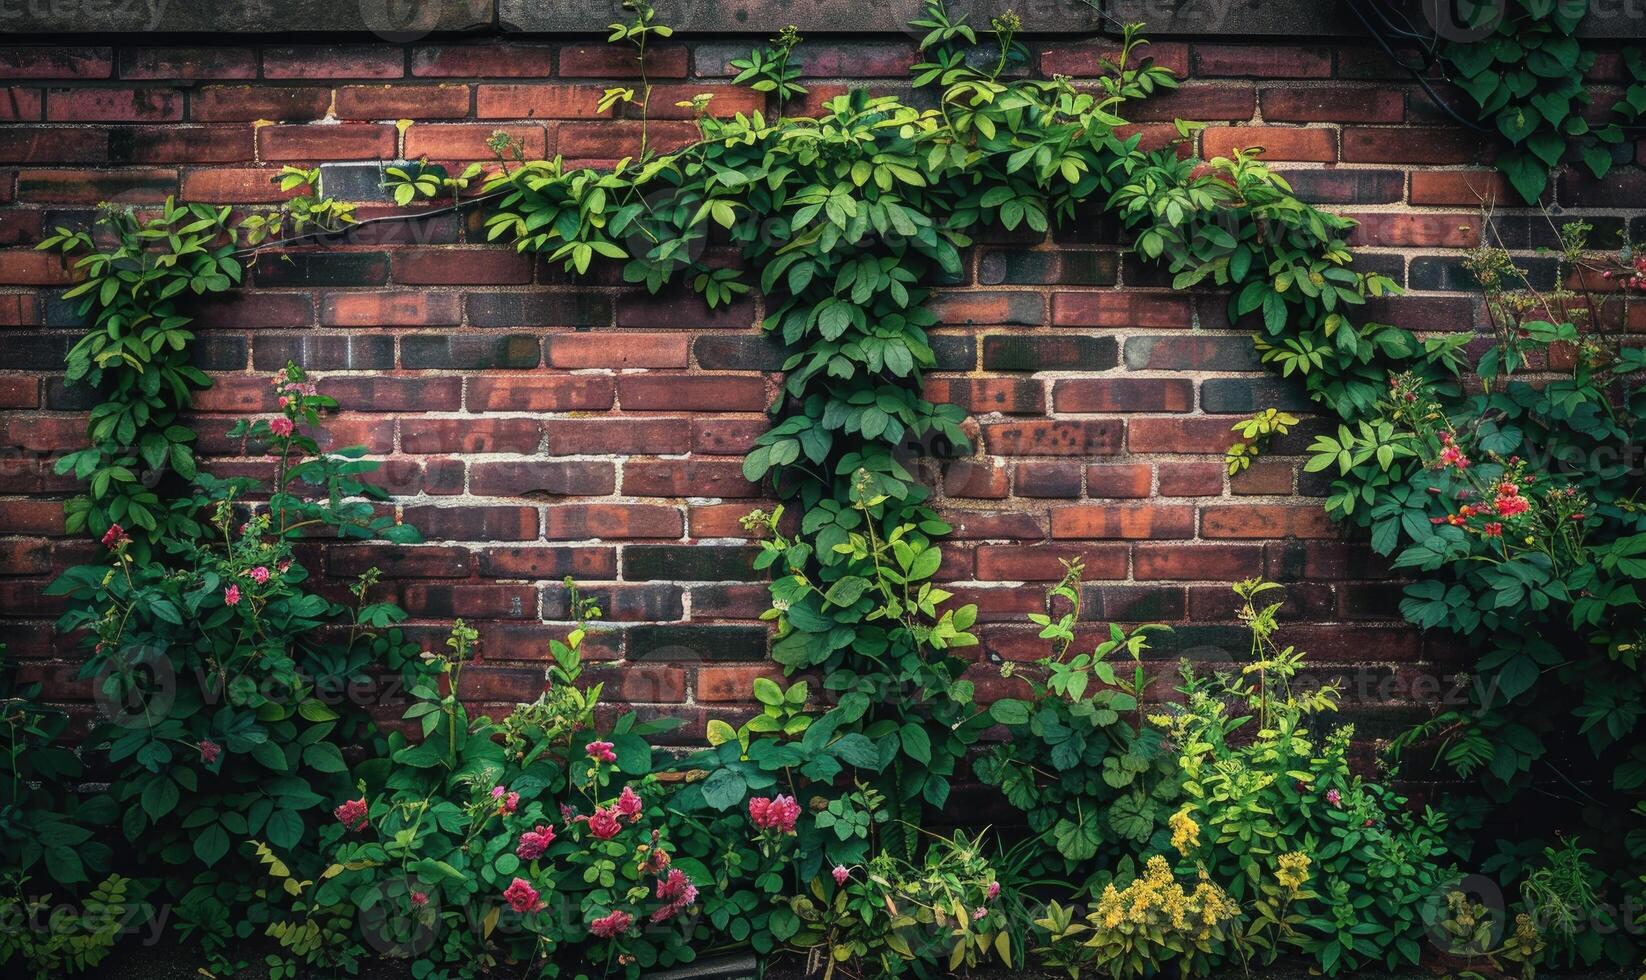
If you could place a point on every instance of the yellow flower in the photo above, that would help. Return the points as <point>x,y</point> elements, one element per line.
<point>1185,832</point>
<point>1293,872</point>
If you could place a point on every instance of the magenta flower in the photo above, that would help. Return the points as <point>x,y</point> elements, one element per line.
<point>993,891</point>
<point>600,751</point>
<point>778,813</point>
<point>522,897</point>
<point>841,874</point>
<point>281,426</point>
<point>604,824</point>
<point>260,575</point>
<point>611,925</point>
<point>676,892</point>
<point>352,814</point>
<point>420,899</point>
<point>534,842</point>
<point>231,596</point>
<point>629,804</point>
<point>1334,797</point>
<point>114,537</point>
<point>209,751</point>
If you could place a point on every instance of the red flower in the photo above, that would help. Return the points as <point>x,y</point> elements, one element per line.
<point>419,899</point>
<point>114,537</point>
<point>260,575</point>
<point>352,814</point>
<point>1492,529</point>
<point>281,426</point>
<point>611,925</point>
<point>1508,505</point>
<point>522,897</point>
<point>778,813</point>
<point>604,824</point>
<point>534,842</point>
<point>629,804</point>
<point>676,892</point>
<point>600,751</point>
<point>231,596</point>
<point>209,751</point>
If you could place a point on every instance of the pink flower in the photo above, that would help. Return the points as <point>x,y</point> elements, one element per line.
<point>1334,797</point>
<point>260,575</point>
<point>778,813</point>
<point>993,891</point>
<point>352,814</point>
<point>419,899</point>
<point>979,913</point>
<point>676,892</point>
<point>522,897</point>
<point>840,874</point>
<point>231,595</point>
<point>611,925</point>
<point>1509,505</point>
<point>567,813</point>
<point>600,751</point>
<point>114,537</point>
<point>506,802</point>
<point>534,842</point>
<point>1492,529</point>
<point>629,804</point>
<point>281,426</point>
<point>209,751</point>
<point>604,824</point>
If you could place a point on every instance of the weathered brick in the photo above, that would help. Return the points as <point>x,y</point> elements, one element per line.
<point>471,352</point>
<point>1044,562</point>
<point>492,59</point>
<point>469,436</point>
<point>1266,521</point>
<point>549,562</point>
<point>539,393</point>
<point>1051,437</point>
<point>608,61</point>
<point>542,478</point>
<point>187,63</point>
<point>334,61</point>
<point>1277,142</point>
<point>1010,396</point>
<point>114,105</point>
<point>686,478</point>
<point>1121,309</point>
<point>459,266</point>
<point>1261,61</point>
<point>716,393</point>
<point>310,143</point>
<point>537,100</point>
<point>652,436</point>
<point>468,522</point>
<point>694,643</point>
<point>391,309</point>
<point>1058,352</point>
<point>403,102</point>
<point>1368,104</point>
<point>1191,353</point>
<point>41,61</point>
<point>574,522</point>
<point>231,103</point>
<point>1196,563</point>
<point>463,142</point>
<point>1136,521</point>
<point>1124,395</point>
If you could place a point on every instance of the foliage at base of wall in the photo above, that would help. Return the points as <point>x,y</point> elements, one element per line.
<point>803,830</point>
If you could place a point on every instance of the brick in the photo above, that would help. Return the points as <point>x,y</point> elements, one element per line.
<point>618,349</point>
<point>1123,395</point>
<point>1063,266</point>
<point>538,309</point>
<point>1219,395</point>
<point>1121,309</point>
<point>403,102</point>
<point>188,63</point>
<point>1058,352</point>
<point>731,684</point>
<point>588,143</point>
<point>114,105</point>
<point>541,100</point>
<point>1023,309</point>
<point>1266,61</point>
<point>465,142</point>
<point>471,523</point>
<point>1191,353</point>
<point>608,61</point>
<point>652,436</point>
<point>1266,477</point>
<point>1044,562</point>
<point>1134,603</point>
<point>1371,104</point>
<point>539,393</point>
<point>1266,521</point>
<point>694,643</point>
<point>651,684</point>
<point>686,478</point>
<point>233,185</point>
<point>573,522</point>
<point>41,61</point>
<point>348,141</point>
<point>244,103</point>
<point>978,479</point>
<point>1420,230</point>
<point>469,351</point>
<point>1343,185</point>
<point>718,351</point>
<point>1137,521</point>
<point>18,309</point>
<point>1119,480</point>
<point>1413,145</point>
<point>708,393</point>
<point>1277,143</point>
<point>727,101</point>
<point>26,267</point>
<point>246,308</point>
<point>397,394</point>
<point>334,61</point>
<point>1048,478</point>
<point>467,436</point>
<point>146,186</point>
<point>1207,434</point>
<point>390,309</point>
<point>181,144</point>
<point>459,266</point>
<point>1202,103</point>
<point>1196,563</point>
<point>488,601</point>
<point>1458,187</point>
<point>326,352</point>
<point>323,268</point>
<point>549,563</point>
<point>1191,479</point>
<point>727,435</point>
<point>681,311</point>
<point>1050,437</point>
<point>55,145</point>
<point>621,603</point>
<point>1010,396</point>
<point>1097,56</point>
<point>20,104</point>
<point>491,59</point>
<point>538,478</point>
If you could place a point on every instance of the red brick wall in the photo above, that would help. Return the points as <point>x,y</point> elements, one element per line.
<point>533,427</point>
